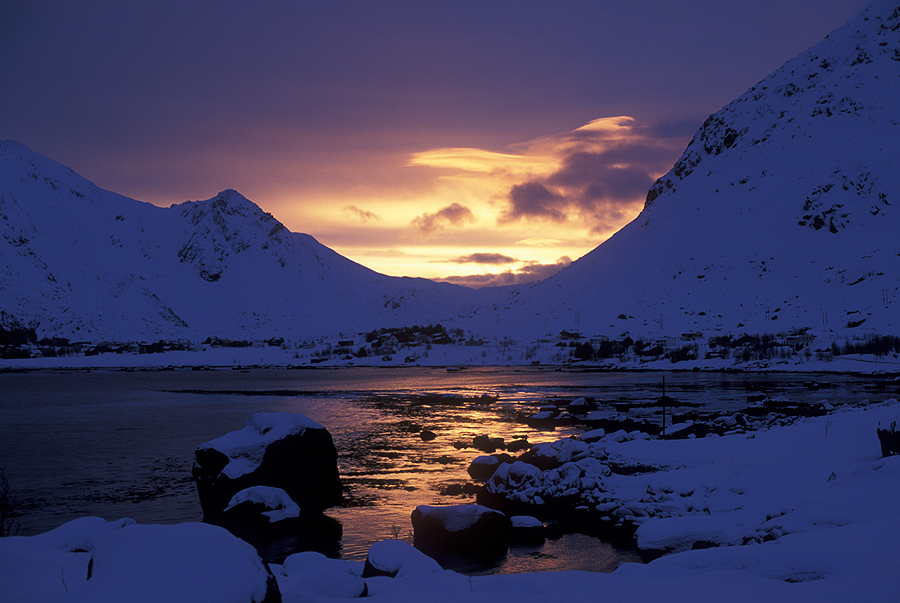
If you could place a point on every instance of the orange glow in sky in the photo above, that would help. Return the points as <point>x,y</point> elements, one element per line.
<point>485,142</point>
<point>464,214</point>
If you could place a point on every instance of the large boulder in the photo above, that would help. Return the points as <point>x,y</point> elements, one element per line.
<point>471,531</point>
<point>267,518</point>
<point>889,437</point>
<point>281,450</point>
<point>527,530</point>
<point>482,468</point>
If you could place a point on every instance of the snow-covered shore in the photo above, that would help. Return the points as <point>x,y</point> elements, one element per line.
<point>804,512</point>
<point>444,356</point>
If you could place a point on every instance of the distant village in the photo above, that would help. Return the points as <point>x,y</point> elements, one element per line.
<point>412,344</point>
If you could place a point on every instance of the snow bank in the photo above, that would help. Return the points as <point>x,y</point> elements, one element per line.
<point>92,560</point>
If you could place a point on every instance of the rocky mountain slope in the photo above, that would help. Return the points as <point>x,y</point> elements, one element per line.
<point>781,214</point>
<point>81,262</point>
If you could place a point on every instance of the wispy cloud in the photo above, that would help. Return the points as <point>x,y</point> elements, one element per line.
<point>360,214</point>
<point>481,161</point>
<point>454,214</point>
<point>538,242</point>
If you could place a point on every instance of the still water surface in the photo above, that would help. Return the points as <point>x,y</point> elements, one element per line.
<point>120,444</point>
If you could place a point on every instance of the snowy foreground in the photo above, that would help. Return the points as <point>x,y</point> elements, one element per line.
<point>814,502</point>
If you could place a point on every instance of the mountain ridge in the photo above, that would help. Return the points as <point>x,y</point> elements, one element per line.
<point>85,263</point>
<point>732,238</point>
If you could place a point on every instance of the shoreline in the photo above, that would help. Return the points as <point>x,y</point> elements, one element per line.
<point>201,361</point>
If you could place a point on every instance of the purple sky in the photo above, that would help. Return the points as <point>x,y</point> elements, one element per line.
<point>419,138</point>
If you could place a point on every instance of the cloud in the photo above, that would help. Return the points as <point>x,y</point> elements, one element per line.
<point>361,214</point>
<point>594,177</point>
<point>533,200</point>
<point>479,161</point>
<point>529,273</point>
<point>539,242</point>
<point>603,172</point>
<point>484,258</point>
<point>454,214</point>
<point>535,271</point>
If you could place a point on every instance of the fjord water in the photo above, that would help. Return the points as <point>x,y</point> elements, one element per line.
<point>120,443</point>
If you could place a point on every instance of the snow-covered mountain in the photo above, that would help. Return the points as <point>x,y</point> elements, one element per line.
<point>88,264</point>
<point>780,215</point>
<point>782,212</point>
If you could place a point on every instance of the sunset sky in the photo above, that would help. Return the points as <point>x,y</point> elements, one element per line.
<point>487,142</point>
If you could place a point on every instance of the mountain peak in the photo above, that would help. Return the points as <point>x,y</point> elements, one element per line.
<point>223,226</point>
<point>779,215</point>
<point>839,92</point>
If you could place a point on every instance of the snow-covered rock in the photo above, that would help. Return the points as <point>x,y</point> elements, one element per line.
<point>482,467</point>
<point>471,530</point>
<point>280,450</point>
<point>389,557</point>
<point>313,574</point>
<point>677,429</point>
<point>581,406</point>
<point>526,530</point>
<point>517,476</point>
<point>553,454</point>
<point>274,503</point>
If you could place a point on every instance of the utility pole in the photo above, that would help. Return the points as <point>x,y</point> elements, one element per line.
<point>663,432</point>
